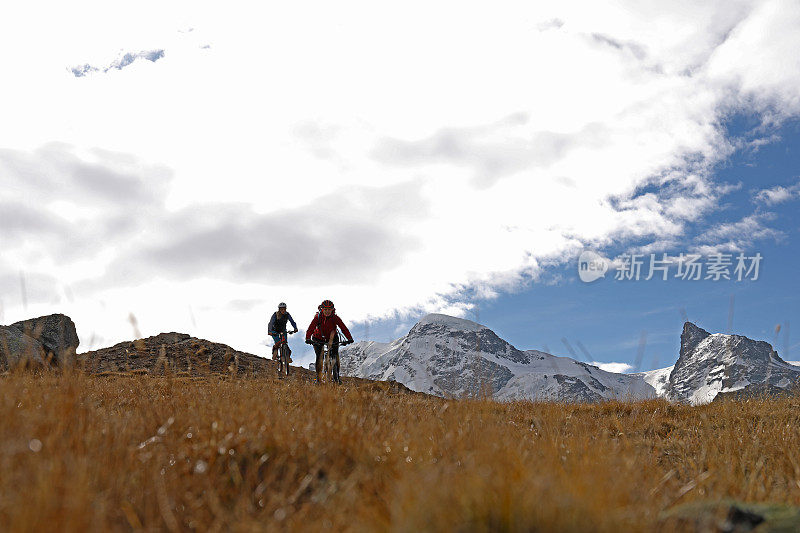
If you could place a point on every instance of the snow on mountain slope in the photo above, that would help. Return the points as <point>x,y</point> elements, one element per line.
<point>454,357</point>
<point>450,356</point>
<point>549,377</point>
<point>658,379</point>
<point>710,364</point>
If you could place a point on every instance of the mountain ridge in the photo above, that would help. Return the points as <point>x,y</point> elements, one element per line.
<point>713,363</point>
<point>450,356</point>
<point>455,357</point>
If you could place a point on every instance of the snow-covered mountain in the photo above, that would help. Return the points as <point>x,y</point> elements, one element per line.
<point>450,356</point>
<point>658,379</point>
<point>710,364</point>
<point>454,357</point>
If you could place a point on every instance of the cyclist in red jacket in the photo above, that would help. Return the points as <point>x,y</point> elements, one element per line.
<point>323,330</point>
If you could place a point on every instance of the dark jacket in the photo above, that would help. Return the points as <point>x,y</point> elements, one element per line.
<point>278,324</point>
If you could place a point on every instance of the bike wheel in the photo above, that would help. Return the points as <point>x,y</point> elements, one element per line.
<point>285,351</point>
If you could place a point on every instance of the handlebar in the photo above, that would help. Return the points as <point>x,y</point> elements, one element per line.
<point>322,343</point>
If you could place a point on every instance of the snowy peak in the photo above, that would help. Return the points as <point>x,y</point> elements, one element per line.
<point>452,356</point>
<point>691,336</point>
<point>446,334</point>
<point>710,364</point>
<point>448,322</point>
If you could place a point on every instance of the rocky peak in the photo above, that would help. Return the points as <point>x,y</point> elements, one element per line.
<point>714,363</point>
<point>690,338</point>
<point>445,332</point>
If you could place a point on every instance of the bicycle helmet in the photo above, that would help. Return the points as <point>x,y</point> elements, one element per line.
<point>326,304</point>
<point>282,305</point>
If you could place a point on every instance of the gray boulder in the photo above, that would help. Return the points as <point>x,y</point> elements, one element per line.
<point>56,333</point>
<point>17,349</point>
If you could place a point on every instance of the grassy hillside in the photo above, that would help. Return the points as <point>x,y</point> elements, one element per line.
<point>115,452</point>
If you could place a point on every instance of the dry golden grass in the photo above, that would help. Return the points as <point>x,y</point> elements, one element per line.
<point>82,452</point>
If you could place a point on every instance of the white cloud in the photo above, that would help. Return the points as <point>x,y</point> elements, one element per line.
<point>737,236</point>
<point>758,60</point>
<point>391,159</point>
<point>619,368</point>
<point>778,194</point>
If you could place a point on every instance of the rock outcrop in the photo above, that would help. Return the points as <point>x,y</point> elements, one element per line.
<point>56,333</point>
<point>181,355</point>
<point>18,349</point>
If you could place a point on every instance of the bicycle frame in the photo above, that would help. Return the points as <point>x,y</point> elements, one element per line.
<point>327,364</point>
<point>329,370</point>
<point>283,355</point>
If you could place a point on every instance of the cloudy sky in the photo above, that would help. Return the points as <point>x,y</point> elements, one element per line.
<point>191,164</point>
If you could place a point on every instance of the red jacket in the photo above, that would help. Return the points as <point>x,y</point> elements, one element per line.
<point>322,327</point>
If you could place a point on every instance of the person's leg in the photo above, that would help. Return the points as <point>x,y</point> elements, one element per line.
<point>318,363</point>
<point>335,354</point>
<point>276,339</point>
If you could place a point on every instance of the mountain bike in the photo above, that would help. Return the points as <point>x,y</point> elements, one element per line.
<point>283,354</point>
<point>330,364</point>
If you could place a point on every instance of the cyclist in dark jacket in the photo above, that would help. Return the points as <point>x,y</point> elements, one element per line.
<point>277,325</point>
<point>323,330</point>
